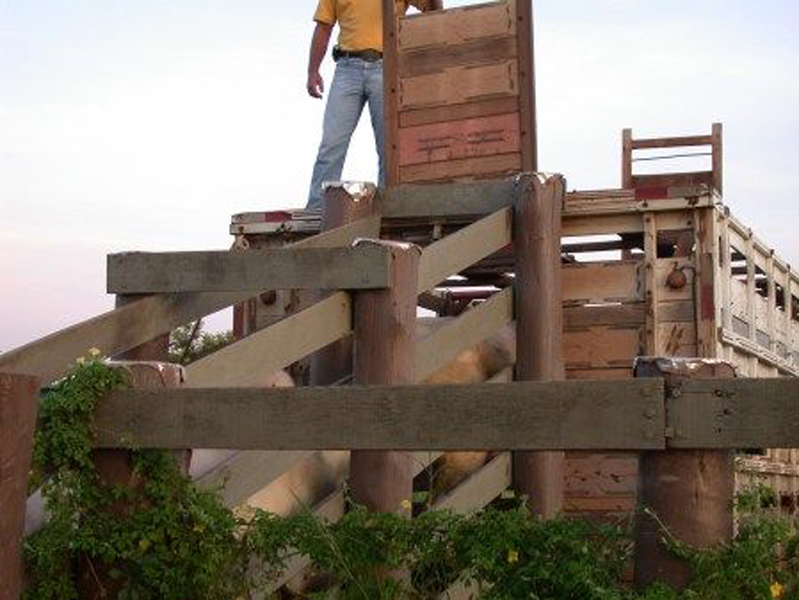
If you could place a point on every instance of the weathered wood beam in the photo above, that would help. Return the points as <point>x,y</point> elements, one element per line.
<point>530,415</point>
<point>249,360</point>
<point>464,248</point>
<point>450,199</point>
<point>735,413</point>
<point>18,408</point>
<point>118,330</point>
<point>364,267</point>
<point>445,343</point>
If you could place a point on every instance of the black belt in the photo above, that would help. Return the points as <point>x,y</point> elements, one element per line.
<point>368,54</point>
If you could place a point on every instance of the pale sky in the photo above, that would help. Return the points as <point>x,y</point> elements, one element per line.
<point>144,124</point>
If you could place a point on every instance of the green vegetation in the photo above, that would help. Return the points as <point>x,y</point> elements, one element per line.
<point>161,538</point>
<point>189,343</point>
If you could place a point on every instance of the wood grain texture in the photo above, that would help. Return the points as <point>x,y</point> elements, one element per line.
<point>456,26</point>
<point>443,345</point>
<point>451,199</point>
<point>737,413</point>
<point>256,270</point>
<point>457,112</point>
<point>113,332</point>
<point>249,360</point>
<point>597,283</point>
<point>391,88</point>
<point>456,85</point>
<point>538,285</point>
<point>430,59</point>
<point>468,138</point>
<point>463,248</point>
<point>19,401</point>
<point>526,78</point>
<point>480,488</point>
<point>496,166</point>
<point>521,415</point>
<point>384,322</point>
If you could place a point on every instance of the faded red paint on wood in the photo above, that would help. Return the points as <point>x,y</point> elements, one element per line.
<point>468,138</point>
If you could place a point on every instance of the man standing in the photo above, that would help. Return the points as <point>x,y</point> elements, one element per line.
<point>358,80</point>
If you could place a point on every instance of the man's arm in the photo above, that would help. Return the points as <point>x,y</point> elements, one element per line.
<point>319,43</point>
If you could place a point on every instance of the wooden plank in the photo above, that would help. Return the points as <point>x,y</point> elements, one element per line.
<point>480,488</point>
<point>602,224</point>
<point>627,158</point>
<point>430,59</point>
<point>451,199</point>
<point>249,360</point>
<point>463,248</point>
<point>676,339</point>
<point>391,89</point>
<point>456,26</point>
<point>592,283</point>
<point>457,112</point>
<point>443,345</point>
<point>707,289</point>
<point>736,413</point>
<point>611,314</point>
<point>672,142</point>
<point>119,330</point>
<point>602,347</point>
<point>716,140</point>
<point>19,395</point>
<point>457,85</point>
<point>527,96</point>
<point>523,415</point>
<point>600,373</point>
<point>498,164</point>
<point>362,267</point>
<point>113,332</point>
<point>246,473</point>
<point>655,282</point>
<point>663,267</point>
<point>666,180</point>
<point>590,475</point>
<point>484,136</point>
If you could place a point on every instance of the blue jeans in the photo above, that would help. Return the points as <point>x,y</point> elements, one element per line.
<point>355,83</point>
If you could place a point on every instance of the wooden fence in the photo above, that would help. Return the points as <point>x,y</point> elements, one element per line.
<point>281,429</point>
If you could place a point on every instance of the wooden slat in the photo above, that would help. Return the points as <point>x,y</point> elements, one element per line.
<point>453,199</point>
<point>463,248</point>
<point>364,267</point>
<point>445,344</point>
<point>602,347</point>
<point>113,332</point>
<point>457,112</point>
<point>526,415</point>
<point>480,488</point>
<point>248,472</point>
<point>484,136</point>
<point>672,142</point>
<point>610,314</point>
<point>585,283</point>
<point>736,413</point>
<point>475,52</point>
<point>118,330</point>
<point>249,360</point>
<point>456,26</point>
<point>498,164</point>
<point>457,85</point>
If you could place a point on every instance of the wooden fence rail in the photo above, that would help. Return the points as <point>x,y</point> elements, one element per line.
<point>570,415</point>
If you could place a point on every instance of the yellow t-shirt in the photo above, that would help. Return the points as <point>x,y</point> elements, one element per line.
<point>361,21</point>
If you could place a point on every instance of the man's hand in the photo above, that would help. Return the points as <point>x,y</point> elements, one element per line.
<point>315,85</point>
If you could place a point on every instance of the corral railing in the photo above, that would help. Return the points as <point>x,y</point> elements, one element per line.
<point>281,429</point>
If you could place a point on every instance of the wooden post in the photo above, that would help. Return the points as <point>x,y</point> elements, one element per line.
<point>718,156</point>
<point>390,92</point>
<point>627,158</point>
<point>527,98</point>
<point>19,402</point>
<point>689,491</point>
<point>539,323</point>
<point>385,322</point>
<point>334,362</point>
